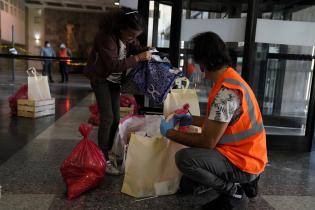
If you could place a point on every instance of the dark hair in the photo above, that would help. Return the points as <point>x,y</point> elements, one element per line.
<point>46,42</point>
<point>122,18</point>
<point>210,50</point>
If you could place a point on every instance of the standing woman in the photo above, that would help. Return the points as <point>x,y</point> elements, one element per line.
<point>115,50</point>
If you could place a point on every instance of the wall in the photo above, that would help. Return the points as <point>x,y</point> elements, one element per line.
<point>12,13</point>
<point>76,29</point>
<point>35,33</point>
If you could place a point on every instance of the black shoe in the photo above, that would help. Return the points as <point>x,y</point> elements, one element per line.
<point>237,201</point>
<point>251,188</point>
<point>216,204</point>
<point>51,81</point>
<point>61,81</point>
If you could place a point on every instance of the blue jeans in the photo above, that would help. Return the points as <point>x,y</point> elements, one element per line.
<point>47,70</point>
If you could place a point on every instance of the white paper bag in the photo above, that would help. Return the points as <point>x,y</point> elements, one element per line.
<point>38,88</point>
<point>150,167</point>
<point>178,97</point>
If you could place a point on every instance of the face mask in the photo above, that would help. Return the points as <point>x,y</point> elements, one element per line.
<point>47,45</point>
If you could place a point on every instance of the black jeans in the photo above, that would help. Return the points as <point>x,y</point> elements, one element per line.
<point>210,168</point>
<point>108,100</point>
<point>47,70</point>
<point>63,71</point>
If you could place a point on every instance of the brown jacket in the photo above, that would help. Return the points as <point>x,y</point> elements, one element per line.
<point>103,58</point>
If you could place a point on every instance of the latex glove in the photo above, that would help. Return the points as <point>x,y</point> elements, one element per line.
<point>183,119</point>
<point>166,126</point>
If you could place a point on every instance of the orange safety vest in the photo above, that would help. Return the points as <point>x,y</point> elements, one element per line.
<point>243,142</point>
<point>64,54</point>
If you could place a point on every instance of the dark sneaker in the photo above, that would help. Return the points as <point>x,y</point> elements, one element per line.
<point>251,188</point>
<point>239,194</point>
<point>237,201</point>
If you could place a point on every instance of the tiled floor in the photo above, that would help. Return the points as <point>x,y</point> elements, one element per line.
<point>31,152</point>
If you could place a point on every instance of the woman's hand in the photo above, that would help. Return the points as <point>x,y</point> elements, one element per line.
<point>144,56</point>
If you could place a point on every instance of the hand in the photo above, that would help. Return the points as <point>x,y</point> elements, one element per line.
<point>183,119</point>
<point>144,56</point>
<point>166,126</point>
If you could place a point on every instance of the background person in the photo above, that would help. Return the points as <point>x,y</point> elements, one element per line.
<point>48,51</point>
<point>65,53</point>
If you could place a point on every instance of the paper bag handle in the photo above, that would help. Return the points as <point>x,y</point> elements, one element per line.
<point>31,72</point>
<point>186,80</point>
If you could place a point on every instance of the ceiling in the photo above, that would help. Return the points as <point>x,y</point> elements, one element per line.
<point>223,5</point>
<point>210,5</point>
<point>78,5</point>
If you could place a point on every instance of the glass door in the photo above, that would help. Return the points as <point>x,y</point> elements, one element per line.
<point>284,64</point>
<point>227,20</point>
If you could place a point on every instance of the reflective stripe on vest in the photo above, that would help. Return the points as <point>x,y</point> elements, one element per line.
<point>256,128</point>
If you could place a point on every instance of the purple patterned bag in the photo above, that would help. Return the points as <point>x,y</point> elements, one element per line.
<point>154,79</point>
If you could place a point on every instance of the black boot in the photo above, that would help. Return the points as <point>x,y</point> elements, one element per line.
<point>237,201</point>
<point>251,188</point>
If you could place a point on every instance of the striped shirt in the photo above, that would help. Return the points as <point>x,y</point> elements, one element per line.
<point>116,77</point>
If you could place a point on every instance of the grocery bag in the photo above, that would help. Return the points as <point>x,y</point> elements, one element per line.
<point>94,118</point>
<point>150,167</point>
<point>155,79</point>
<point>85,167</point>
<point>38,88</point>
<point>177,98</point>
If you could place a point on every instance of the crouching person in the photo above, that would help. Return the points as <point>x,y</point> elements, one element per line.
<point>230,152</point>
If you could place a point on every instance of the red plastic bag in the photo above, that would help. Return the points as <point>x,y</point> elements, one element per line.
<point>21,93</point>
<point>94,118</point>
<point>93,108</point>
<point>85,167</point>
<point>128,101</point>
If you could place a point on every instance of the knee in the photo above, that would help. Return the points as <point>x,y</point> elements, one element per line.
<point>182,159</point>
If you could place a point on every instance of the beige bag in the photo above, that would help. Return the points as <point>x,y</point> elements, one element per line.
<point>150,167</point>
<point>38,88</point>
<point>178,97</point>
